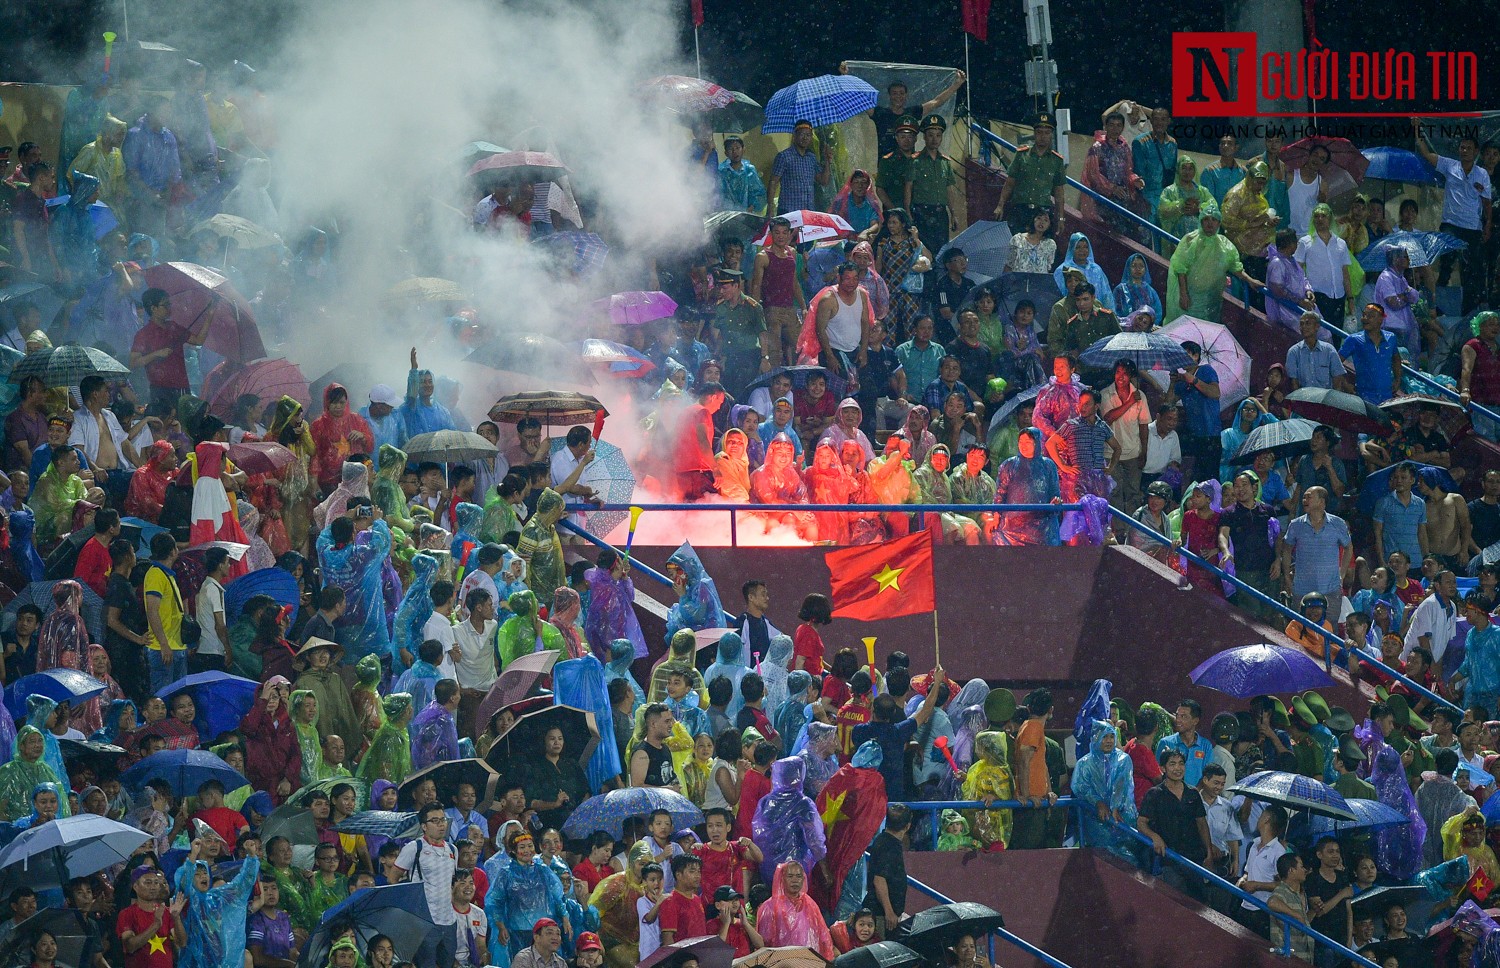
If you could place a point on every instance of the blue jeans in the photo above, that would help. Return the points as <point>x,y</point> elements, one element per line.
<point>164,675</point>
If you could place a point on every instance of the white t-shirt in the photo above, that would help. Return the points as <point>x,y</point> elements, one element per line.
<point>440,628</point>
<point>476,669</point>
<point>713,796</point>
<point>1161,451</point>
<point>1431,619</point>
<point>436,872</point>
<point>210,600</point>
<point>650,933</point>
<point>1260,865</point>
<point>1323,263</point>
<point>471,925</point>
<point>1127,428</point>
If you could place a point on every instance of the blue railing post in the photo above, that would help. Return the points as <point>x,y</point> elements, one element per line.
<point>734,529</point>
<point>937,826</point>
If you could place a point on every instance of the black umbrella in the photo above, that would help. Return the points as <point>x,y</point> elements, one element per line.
<point>524,738</point>
<point>1010,288</point>
<point>1373,903</point>
<point>75,942</point>
<point>398,911</point>
<point>1339,409</point>
<point>937,928</point>
<point>446,776</point>
<point>882,954</point>
<point>734,225</point>
<point>799,375</point>
<point>102,758</point>
<point>1012,404</point>
<point>739,115</point>
<point>294,823</point>
<point>1284,438</point>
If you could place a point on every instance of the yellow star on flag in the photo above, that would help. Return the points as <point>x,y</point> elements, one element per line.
<point>833,811</point>
<point>158,945</point>
<point>888,578</point>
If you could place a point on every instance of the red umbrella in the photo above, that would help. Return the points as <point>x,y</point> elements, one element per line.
<point>260,457</point>
<point>1341,153</point>
<point>810,226</point>
<point>198,292</point>
<point>688,94</point>
<point>269,379</point>
<point>526,166</point>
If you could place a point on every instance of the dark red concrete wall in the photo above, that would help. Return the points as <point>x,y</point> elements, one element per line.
<point>1087,910</point>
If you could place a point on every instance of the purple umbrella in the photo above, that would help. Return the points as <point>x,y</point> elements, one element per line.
<point>636,308</point>
<point>1260,670</point>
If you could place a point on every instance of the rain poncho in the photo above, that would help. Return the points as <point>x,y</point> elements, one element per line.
<point>731,666</point>
<point>990,779</point>
<point>366,698</point>
<point>414,611</point>
<point>389,755</point>
<point>385,490</point>
<point>110,731</point>
<point>20,776</point>
<point>520,635</point>
<point>88,716</point>
<point>790,715</point>
<point>1481,857</point>
<point>818,755</point>
<point>732,474</point>
<point>1091,270</point>
<point>423,416</point>
<point>215,919</point>
<point>793,921</point>
<point>23,551</point>
<point>356,568</point>
<point>580,683</point>
<point>294,484</point>
<point>787,826</point>
<point>959,839</point>
<point>39,713</point>
<point>1023,480</point>
<point>353,482</point>
<point>273,749</point>
<point>335,710</point>
<point>1170,211</point>
<point>148,485</point>
<point>567,608</point>
<point>52,500</point>
<point>336,439</point>
<point>309,744</point>
<point>1130,296</point>
<point>614,898</point>
<point>934,487</point>
<point>1108,779</point>
<point>63,639</point>
<point>682,651</point>
<point>621,656</point>
<point>434,737</point>
<point>467,520</point>
<point>521,895</point>
<point>1397,850</point>
<point>773,669</point>
<point>541,548</point>
<point>213,514</point>
<point>500,518</point>
<point>1205,260</point>
<point>611,612</point>
<point>698,607</point>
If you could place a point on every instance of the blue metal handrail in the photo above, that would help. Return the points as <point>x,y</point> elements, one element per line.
<point>1330,639</point>
<point>1209,877</point>
<point>1002,933</point>
<point>936,808</point>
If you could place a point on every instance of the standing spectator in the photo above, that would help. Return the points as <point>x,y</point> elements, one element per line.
<point>164,611</point>
<point>740,187</point>
<point>1085,451</point>
<point>1400,517</point>
<point>153,171</point>
<point>1479,378</point>
<point>158,347</point>
<point>1328,893</point>
<point>1312,555</point>
<point>26,426</point>
<point>1434,623</point>
<point>1037,174</point>
<point>93,564</point>
<point>744,341</point>
<point>1225,173</point>
<point>1197,387</point>
<point>774,286</point>
<point>1197,750</point>
<point>1248,220</point>
<point>31,224</point>
<point>1324,257</point>
<point>1246,524</point>
<point>1373,357</point>
<point>1313,362</point>
<point>1398,296</point>
<point>1033,781</point>
<point>1467,211</point>
<point>891,171</point>
<point>887,118</point>
<point>1288,899</point>
<point>1307,189</point>
<point>213,641</point>
<point>1287,282</point>
<point>886,888</point>
<point>796,170</point>
<point>1484,520</point>
<point>1163,447</point>
<point>1154,156</point>
<point>1109,171</point>
<point>1478,679</point>
<point>1196,281</point>
<point>432,860</point>
<point>1091,322</point>
<point>1172,816</point>
<point>931,193</point>
<point>1129,417</point>
<point>1276,192</point>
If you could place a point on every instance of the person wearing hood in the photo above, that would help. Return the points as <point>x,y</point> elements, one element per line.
<point>72,231</point>
<point>955,833</point>
<point>1249,416</point>
<point>935,488</point>
<point>1248,220</point>
<point>732,467</point>
<point>541,548</point>
<point>1028,478</point>
<point>611,610</point>
<point>419,411</point>
<point>789,716</point>
<point>846,427</point>
<point>777,482</point>
<point>622,655</point>
<point>1135,290</point>
<point>338,434</point>
<point>41,713</point>
<point>818,750</point>
<point>1080,257</point>
<point>352,553</point>
<point>1198,268</point>
<point>215,916</point>
<point>838,884</point>
<point>389,755</point>
<point>1104,782</point>
<point>681,656</point>
<point>273,755</point>
<point>353,483</point>
<point>828,483</point>
<point>385,489</point>
<point>698,605</point>
<point>787,825</point>
<point>385,419</point>
<point>526,631</point>
<point>434,730</point>
<point>413,612</point>
<point>27,769</point>
<point>101,159</point>
<point>294,486</point>
<point>731,666</point>
<point>1182,202</point>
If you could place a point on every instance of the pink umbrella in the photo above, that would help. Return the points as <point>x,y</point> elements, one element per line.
<point>812,227</point>
<point>636,308</point>
<point>523,166</point>
<point>198,292</point>
<point>688,94</point>
<point>1221,351</point>
<point>1349,163</point>
<point>269,379</point>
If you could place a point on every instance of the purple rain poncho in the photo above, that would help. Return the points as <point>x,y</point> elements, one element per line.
<point>787,825</point>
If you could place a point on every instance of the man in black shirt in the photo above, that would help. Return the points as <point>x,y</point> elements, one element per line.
<point>976,364</point>
<point>1328,895</point>
<point>1429,445</point>
<point>881,376</point>
<point>1245,523</point>
<point>755,628</point>
<point>1484,519</point>
<point>949,292</point>
<point>886,894</point>
<point>1172,815</point>
<point>651,763</point>
<point>125,624</point>
<point>885,118</point>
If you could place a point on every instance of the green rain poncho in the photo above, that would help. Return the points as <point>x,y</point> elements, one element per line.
<point>386,491</point>
<point>541,549</point>
<point>39,710</point>
<point>389,756</point>
<point>307,734</point>
<point>293,898</point>
<point>1204,260</point>
<point>518,636</point>
<point>976,489</point>
<point>52,500</point>
<point>366,697</point>
<point>1171,210</point>
<point>935,488</point>
<point>499,519</point>
<point>960,839</point>
<point>20,776</point>
<point>335,707</point>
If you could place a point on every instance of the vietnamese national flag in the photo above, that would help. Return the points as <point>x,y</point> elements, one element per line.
<point>883,580</point>
<point>1480,887</point>
<point>697,13</point>
<point>976,18</point>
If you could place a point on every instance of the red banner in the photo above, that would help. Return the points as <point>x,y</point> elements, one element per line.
<point>697,13</point>
<point>976,18</point>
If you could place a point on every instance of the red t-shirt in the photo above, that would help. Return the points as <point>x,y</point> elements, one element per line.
<point>154,954</point>
<point>92,567</point>
<point>682,913</point>
<point>807,643</point>
<point>691,453</point>
<point>482,882</point>
<point>1147,769</point>
<point>225,822</point>
<point>737,937</point>
<point>836,691</point>
<point>170,372</point>
<point>753,786</point>
<point>720,867</point>
<point>591,874</point>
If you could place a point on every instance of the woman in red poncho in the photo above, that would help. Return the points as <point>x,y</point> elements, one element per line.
<point>827,483</point>
<point>273,756</point>
<point>148,485</point>
<point>337,434</point>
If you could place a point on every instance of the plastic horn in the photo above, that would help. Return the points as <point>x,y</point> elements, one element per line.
<point>869,641</point>
<point>635,517</point>
<point>109,47</point>
<point>942,744</point>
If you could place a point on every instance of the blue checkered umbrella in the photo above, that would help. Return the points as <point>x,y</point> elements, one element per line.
<point>1369,816</point>
<point>1295,792</point>
<point>1425,248</point>
<point>381,823</point>
<point>579,253</point>
<point>1284,438</point>
<point>1149,351</point>
<point>1010,406</point>
<point>820,101</point>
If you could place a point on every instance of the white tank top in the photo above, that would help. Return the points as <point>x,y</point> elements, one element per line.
<point>844,329</point>
<point>1303,198</point>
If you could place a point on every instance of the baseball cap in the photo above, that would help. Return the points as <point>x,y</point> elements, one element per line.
<point>726,892</point>
<point>589,941</point>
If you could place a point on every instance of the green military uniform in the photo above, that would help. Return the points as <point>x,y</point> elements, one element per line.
<point>1080,332</point>
<point>1034,176</point>
<point>892,169</point>
<point>929,179</point>
<point>740,327</point>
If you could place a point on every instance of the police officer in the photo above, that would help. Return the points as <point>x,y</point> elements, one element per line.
<point>931,197</point>
<point>1035,181</point>
<point>890,174</point>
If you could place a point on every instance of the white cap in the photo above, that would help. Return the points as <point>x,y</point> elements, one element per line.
<point>384,393</point>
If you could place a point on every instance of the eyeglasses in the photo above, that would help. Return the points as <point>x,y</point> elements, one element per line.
<point>435,820</point>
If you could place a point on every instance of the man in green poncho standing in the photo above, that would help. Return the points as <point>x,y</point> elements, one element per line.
<point>320,677</point>
<point>1199,265</point>
<point>389,756</point>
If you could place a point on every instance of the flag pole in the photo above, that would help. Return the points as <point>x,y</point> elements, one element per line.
<point>698,53</point>
<point>968,79</point>
<point>937,654</point>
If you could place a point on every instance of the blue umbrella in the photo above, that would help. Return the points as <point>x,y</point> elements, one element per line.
<point>608,812</point>
<point>221,700</point>
<point>820,101</point>
<point>398,911</point>
<point>985,243</point>
<point>580,253</point>
<point>1398,165</point>
<point>1424,248</point>
<point>47,856</point>
<point>184,770</point>
<point>1295,792</point>
<point>1149,351</point>
<point>1012,404</point>
<point>1369,816</point>
<point>1491,810</point>
<point>147,532</point>
<point>1260,670</point>
<point>381,823</point>
<point>611,478</point>
<point>59,685</point>
<point>39,593</point>
<point>275,582</point>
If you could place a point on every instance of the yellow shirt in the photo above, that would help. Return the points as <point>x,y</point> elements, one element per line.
<point>162,584</point>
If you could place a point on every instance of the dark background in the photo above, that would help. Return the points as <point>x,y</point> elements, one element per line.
<point>1104,50</point>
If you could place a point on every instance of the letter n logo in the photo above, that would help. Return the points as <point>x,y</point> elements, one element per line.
<point>1213,74</point>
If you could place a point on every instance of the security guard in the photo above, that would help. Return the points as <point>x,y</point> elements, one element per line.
<point>1037,175</point>
<point>890,173</point>
<point>931,197</point>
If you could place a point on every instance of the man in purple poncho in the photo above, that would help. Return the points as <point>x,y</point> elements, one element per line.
<point>1287,282</point>
<point>611,612</point>
<point>434,730</point>
<point>787,825</point>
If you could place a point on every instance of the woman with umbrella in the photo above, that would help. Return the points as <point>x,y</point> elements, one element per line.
<point>26,770</point>
<point>555,781</point>
<point>389,755</point>
<point>525,891</point>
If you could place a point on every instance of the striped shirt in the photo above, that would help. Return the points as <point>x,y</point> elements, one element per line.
<point>797,170</point>
<point>1083,443</point>
<point>1399,524</point>
<point>1315,558</point>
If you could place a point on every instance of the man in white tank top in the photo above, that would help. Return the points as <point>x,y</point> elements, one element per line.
<point>843,322</point>
<point>1307,189</point>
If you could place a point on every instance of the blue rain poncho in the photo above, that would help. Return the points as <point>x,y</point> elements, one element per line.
<point>621,657</point>
<point>356,568</point>
<point>414,611</point>
<point>521,895</point>
<point>1108,779</point>
<point>1091,270</point>
<point>580,683</point>
<point>699,606</point>
<point>790,715</point>
<point>468,519</point>
<point>731,666</point>
<point>110,732</point>
<point>215,919</point>
<point>434,736</point>
<point>1027,480</point>
<point>423,415</point>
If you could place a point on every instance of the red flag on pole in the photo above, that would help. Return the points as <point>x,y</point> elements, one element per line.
<point>697,13</point>
<point>883,580</point>
<point>976,18</point>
